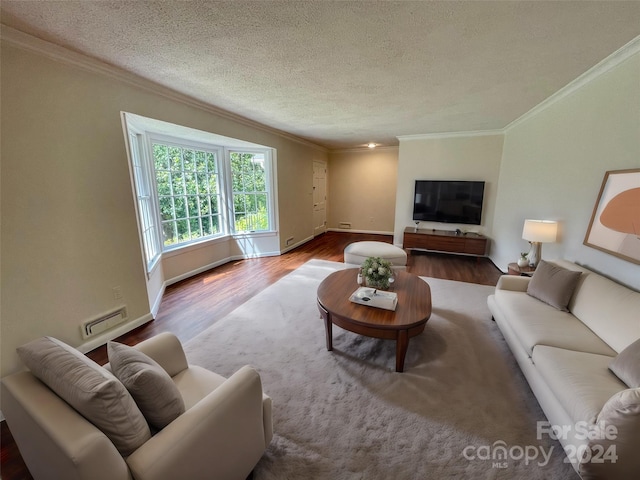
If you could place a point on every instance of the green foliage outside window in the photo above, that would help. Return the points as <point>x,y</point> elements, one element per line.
<point>187,182</point>
<point>250,198</point>
<point>188,193</point>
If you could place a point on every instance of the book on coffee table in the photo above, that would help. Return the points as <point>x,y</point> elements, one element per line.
<point>375,298</point>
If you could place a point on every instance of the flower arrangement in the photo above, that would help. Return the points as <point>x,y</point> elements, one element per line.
<point>377,272</point>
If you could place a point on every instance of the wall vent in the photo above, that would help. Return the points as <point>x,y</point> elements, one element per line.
<point>104,322</point>
<point>345,224</point>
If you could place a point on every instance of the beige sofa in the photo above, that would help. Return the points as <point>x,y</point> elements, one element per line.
<point>565,356</point>
<point>222,433</point>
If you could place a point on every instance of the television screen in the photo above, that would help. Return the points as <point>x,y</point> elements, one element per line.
<point>448,201</point>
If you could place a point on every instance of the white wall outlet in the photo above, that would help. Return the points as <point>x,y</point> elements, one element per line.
<point>117,293</point>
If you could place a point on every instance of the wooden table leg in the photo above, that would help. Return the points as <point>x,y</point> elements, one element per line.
<point>328,325</point>
<point>402,344</point>
<point>329,328</point>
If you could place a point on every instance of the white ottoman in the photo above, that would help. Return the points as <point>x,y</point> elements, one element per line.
<point>358,252</point>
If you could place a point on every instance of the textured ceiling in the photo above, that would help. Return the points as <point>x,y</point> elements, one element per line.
<point>344,73</point>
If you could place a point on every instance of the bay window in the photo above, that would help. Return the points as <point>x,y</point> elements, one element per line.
<point>193,190</point>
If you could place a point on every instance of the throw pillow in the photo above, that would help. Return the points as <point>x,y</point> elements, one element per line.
<point>613,441</point>
<point>149,384</point>
<point>553,285</point>
<point>90,389</point>
<point>626,365</point>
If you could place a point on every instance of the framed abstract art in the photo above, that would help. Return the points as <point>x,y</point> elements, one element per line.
<point>615,222</point>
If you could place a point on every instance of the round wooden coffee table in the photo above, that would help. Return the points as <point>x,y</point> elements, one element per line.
<point>408,319</point>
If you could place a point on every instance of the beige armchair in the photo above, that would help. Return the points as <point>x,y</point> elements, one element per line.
<point>223,433</point>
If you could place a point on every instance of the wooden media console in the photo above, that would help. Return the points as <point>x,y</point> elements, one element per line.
<point>445,241</point>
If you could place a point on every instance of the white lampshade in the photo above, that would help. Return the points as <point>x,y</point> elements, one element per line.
<point>542,231</point>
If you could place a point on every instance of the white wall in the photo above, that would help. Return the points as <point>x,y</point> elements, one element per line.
<point>361,189</point>
<point>459,157</point>
<point>69,230</point>
<point>554,162</point>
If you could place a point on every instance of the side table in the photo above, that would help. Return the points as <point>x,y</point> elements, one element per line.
<point>514,269</point>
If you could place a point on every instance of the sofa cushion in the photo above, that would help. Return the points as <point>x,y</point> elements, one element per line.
<point>607,308</point>
<point>581,382</point>
<point>148,383</point>
<point>553,284</point>
<point>617,435</point>
<point>536,323</point>
<point>627,365</point>
<point>90,389</point>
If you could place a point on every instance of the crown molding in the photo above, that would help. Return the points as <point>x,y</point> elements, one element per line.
<point>473,133</point>
<point>60,54</point>
<point>609,63</point>
<point>388,148</point>
<point>616,58</point>
<point>57,53</point>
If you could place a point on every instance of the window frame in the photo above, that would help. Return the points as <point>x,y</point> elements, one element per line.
<point>139,151</point>
<point>219,152</point>
<point>268,160</point>
<point>187,137</point>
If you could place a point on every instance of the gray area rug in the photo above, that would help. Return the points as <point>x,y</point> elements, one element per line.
<point>347,414</point>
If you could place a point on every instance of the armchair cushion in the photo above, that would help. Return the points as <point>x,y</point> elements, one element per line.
<point>90,389</point>
<point>148,383</point>
<point>220,436</point>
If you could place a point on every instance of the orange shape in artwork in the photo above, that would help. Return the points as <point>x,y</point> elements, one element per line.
<point>622,213</point>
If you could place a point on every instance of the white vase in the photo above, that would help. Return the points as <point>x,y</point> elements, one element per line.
<point>523,262</point>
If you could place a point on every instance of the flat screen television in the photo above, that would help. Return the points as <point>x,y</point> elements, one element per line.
<point>448,201</point>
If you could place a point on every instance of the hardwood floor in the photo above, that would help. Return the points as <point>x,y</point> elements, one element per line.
<point>192,305</point>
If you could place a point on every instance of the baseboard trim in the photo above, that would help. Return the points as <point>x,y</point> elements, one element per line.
<point>156,305</point>
<point>351,230</point>
<point>296,245</point>
<point>497,267</point>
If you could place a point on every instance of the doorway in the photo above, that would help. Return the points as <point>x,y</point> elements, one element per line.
<point>319,198</point>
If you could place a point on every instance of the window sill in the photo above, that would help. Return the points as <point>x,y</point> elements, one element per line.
<point>179,250</point>
<point>270,233</point>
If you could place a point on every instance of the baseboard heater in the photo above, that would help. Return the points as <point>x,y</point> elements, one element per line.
<point>104,322</point>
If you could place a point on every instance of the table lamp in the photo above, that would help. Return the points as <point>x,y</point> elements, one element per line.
<point>538,232</point>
